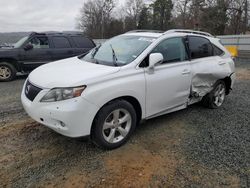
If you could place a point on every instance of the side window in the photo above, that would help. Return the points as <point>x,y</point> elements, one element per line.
<point>200,47</point>
<point>39,42</point>
<point>173,50</point>
<point>61,42</point>
<point>82,42</point>
<point>218,51</point>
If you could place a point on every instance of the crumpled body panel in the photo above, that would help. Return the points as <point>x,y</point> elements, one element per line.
<point>207,71</point>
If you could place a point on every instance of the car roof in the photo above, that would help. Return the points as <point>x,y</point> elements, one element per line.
<point>145,34</point>
<point>172,33</point>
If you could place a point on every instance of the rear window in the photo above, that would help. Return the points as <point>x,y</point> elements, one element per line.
<point>61,42</point>
<point>200,47</point>
<point>82,42</point>
<point>218,51</point>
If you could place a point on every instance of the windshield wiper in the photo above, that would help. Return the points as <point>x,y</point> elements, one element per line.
<point>114,56</point>
<point>95,51</point>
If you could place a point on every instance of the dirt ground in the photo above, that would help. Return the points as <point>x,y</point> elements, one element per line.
<point>195,147</point>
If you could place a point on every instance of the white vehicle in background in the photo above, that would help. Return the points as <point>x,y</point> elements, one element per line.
<point>132,77</point>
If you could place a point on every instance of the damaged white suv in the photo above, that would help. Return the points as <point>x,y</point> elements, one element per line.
<point>132,77</point>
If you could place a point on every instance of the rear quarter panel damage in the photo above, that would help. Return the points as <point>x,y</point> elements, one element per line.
<point>206,71</point>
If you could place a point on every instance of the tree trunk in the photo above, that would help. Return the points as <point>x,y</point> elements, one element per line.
<point>245,17</point>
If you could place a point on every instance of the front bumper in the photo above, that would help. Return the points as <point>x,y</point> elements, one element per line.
<point>72,118</point>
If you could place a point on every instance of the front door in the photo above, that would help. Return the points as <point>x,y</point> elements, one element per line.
<point>38,55</point>
<point>168,86</point>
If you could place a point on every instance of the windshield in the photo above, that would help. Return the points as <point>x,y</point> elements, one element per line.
<point>20,42</point>
<point>119,51</point>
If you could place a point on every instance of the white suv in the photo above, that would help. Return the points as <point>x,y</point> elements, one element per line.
<point>132,77</point>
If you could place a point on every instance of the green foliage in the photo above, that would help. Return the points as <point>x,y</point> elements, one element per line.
<point>145,19</point>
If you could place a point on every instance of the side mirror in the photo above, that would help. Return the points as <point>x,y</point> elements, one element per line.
<point>28,47</point>
<point>155,58</point>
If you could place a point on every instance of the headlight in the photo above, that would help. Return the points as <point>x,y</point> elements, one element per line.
<point>60,94</point>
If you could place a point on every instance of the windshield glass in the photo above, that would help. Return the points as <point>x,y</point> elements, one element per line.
<point>119,51</point>
<point>20,42</point>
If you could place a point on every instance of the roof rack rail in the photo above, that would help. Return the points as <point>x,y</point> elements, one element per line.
<point>188,31</point>
<point>56,33</point>
<point>145,31</point>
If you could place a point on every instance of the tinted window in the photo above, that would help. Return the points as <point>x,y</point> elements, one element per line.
<point>61,42</point>
<point>39,42</point>
<point>218,51</point>
<point>200,47</point>
<point>82,42</point>
<point>173,50</point>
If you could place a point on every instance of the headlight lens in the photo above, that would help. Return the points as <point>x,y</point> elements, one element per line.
<point>60,94</point>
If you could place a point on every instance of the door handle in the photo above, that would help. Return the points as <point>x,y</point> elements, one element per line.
<point>222,63</point>
<point>186,71</point>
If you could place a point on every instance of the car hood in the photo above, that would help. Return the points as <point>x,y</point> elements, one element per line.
<point>8,52</point>
<point>68,73</point>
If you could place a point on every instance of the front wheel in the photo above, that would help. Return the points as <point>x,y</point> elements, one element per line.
<point>114,124</point>
<point>7,72</point>
<point>216,97</point>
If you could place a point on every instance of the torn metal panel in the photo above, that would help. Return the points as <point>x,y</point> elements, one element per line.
<point>206,73</point>
<point>202,83</point>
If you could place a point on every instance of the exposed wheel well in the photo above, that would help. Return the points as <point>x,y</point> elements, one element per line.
<point>228,83</point>
<point>12,62</point>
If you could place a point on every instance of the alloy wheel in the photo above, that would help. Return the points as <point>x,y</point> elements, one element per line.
<point>5,72</point>
<point>117,126</point>
<point>219,95</point>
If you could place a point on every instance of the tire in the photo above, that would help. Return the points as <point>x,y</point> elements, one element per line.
<point>7,72</point>
<point>113,124</point>
<point>216,97</point>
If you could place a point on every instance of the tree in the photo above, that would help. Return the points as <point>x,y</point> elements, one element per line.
<point>133,9</point>
<point>98,19</point>
<point>145,19</point>
<point>162,13</point>
<point>95,17</point>
<point>237,13</point>
<point>209,18</point>
<point>245,17</point>
<point>183,7</point>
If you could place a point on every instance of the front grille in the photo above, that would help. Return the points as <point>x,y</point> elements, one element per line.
<point>31,91</point>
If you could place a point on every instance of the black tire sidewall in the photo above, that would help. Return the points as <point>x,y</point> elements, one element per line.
<point>12,69</point>
<point>96,133</point>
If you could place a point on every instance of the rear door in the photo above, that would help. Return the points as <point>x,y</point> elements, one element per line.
<point>62,47</point>
<point>40,53</point>
<point>82,44</point>
<point>168,87</point>
<point>207,66</point>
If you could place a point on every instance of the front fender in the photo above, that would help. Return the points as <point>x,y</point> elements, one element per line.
<point>130,85</point>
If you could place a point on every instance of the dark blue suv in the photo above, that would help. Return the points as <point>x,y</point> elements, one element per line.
<point>40,48</point>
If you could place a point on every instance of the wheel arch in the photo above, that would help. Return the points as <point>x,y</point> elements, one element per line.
<point>132,100</point>
<point>12,61</point>
<point>228,82</point>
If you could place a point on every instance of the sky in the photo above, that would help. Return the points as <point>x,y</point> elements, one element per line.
<point>39,15</point>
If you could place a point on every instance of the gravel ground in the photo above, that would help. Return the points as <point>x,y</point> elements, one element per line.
<point>195,147</point>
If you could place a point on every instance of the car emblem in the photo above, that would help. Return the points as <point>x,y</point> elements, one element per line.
<point>27,89</point>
